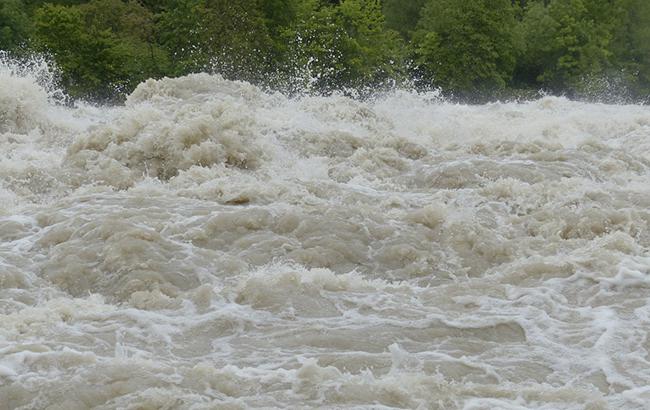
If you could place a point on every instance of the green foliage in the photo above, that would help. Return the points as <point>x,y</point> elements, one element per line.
<point>631,46</point>
<point>466,46</point>
<point>103,47</point>
<point>403,16</point>
<point>568,42</point>
<point>154,6</point>
<point>14,24</point>
<point>279,13</point>
<point>222,35</point>
<point>475,50</point>
<point>32,4</point>
<point>279,17</point>
<point>348,45</point>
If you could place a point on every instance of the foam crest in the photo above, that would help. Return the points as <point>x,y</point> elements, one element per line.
<point>28,88</point>
<point>171,125</point>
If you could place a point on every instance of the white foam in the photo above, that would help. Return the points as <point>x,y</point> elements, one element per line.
<point>210,245</point>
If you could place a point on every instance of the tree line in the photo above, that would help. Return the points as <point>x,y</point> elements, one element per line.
<point>472,50</point>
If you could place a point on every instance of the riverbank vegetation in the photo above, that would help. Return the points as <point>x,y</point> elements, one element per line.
<point>472,50</point>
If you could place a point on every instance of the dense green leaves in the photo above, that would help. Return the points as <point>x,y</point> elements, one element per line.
<point>470,49</point>
<point>228,36</point>
<point>103,47</point>
<point>466,46</point>
<point>569,41</point>
<point>403,16</point>
<point>14,24</point>
<point>631,46</point>
<point>347,45</point>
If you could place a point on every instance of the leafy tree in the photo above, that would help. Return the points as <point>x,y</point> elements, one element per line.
<point>133,25</point>
<point>155,6</point>
<point>280,18</point>
<point>631,46</point>
<point>279,13</point>
<point>99,46</point>
<point>347,45</point>
<point>466,46</point>
<point>39,3</point>
<point>402,16</point>
<point>568,42</point>
<point>473,49</point>
<point>221,35</point>
<point>14,24</point>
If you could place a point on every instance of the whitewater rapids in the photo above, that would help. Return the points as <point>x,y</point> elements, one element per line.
<point>208,245</point>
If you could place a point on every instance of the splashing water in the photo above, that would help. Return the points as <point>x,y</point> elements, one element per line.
<point>208,245</point>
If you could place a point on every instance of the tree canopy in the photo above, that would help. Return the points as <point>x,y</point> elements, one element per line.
<point>466,46</point>
<point>473,50</point>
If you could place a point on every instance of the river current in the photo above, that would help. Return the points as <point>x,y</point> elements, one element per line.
<point>208,245</point>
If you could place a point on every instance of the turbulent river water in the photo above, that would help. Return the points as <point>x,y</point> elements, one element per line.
<point>208,245</point>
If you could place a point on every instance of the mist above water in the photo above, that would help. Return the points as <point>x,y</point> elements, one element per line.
<point>210,245</point>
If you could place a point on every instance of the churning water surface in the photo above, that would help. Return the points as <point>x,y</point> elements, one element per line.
<point>212,246</point>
